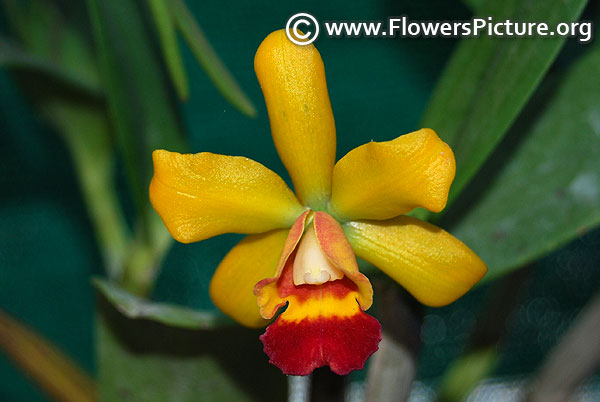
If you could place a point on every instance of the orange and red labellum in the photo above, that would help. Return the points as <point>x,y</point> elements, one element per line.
<point>323,324</point>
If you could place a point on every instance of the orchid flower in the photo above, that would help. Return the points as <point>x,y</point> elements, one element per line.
<point>301,249</point>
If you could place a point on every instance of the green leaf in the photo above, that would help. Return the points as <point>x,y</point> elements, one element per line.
<point>49,44</point>
<point>208,59</point>
<point>168,43</point>
<point>79,117</point>
<point>62,81</point>
<point>142,361</point>
<point>14,57</point>
<point>549,190</point>
<point>139,104</point>
<point>84,126</point>
<point>143,116</point>
<point>139,308</point>
<point>50,369</point>
<point>488,81</point>
<point>465,372</point>
<point>37,23</point>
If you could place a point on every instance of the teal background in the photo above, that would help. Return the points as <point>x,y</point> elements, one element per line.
<point>378,88</point>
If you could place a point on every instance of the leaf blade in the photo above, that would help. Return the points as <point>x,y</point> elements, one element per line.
<point>209,60</point>
<point>538,202</point>
<point>138,100</point>
<point>144,118</point>
<point>168,314</point>
<point>168,42</point>
<point>141,361</point>
<point>488,81</point>
<point>12,56</point>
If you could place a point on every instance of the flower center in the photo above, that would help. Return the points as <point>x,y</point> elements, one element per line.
<point>311,265</point>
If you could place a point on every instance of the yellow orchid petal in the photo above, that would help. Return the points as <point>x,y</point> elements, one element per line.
<point>381,180</point>
<point>202,195</point>
<point>434,266</point>
<point>292,79</point>
<point>250,261</point>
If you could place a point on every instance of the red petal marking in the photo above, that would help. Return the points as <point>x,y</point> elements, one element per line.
<point>344,344</point>
<point>338,289</point>
<point>337,248</point>
<point>322,325</point>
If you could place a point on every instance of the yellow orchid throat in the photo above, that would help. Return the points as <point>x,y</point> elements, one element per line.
<point>300,249</point>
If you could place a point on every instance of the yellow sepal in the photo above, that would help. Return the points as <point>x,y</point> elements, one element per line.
<point>203,195</point>
<point>434,266</point>
<point>292,79</point>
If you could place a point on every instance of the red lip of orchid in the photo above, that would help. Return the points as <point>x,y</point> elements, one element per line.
<point>300,252</point>
<point>317,277</point>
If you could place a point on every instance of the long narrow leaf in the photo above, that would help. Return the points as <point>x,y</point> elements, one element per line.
<point>168,42</point>
<point>549,191</point>
<point>12,56</point>
<point>138,99</point>
<point>142,114</point>
<point>62,82</point>
<point>50,43</point>
<point>208,59</point>
<point>175,316</point>
<point>489,80</point>
<point>85,129</point>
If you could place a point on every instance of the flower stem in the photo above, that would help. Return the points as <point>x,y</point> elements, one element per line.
<point>51,370</point>
<point>298,388</point>
<point>394,366</point>
<point>85,129</point>
<point>146,254</point>
<point>572,361</point>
